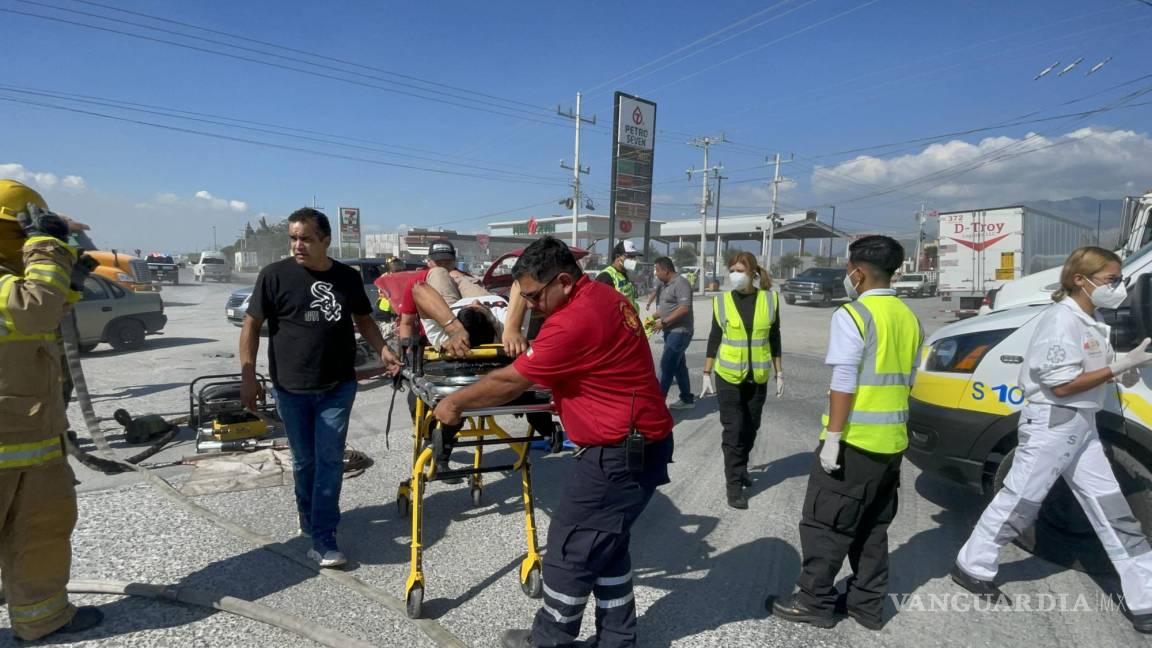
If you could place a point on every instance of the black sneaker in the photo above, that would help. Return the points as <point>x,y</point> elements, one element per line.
<point>841,610</point>
<point>516,639</point>
<point>791,610</point>
<point>982,588</point>
<point>1141,623</point>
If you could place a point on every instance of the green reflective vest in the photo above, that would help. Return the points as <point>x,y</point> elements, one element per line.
<point>738,354</point>
<point>622,284</point>
<point>892,336</point>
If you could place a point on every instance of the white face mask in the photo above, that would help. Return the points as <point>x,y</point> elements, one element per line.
<point>738,280</point>
<point>850,287</point>
<point>630,265</point>
<point>1107,296</point>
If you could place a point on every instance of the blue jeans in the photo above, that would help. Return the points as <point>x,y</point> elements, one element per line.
<point>673,366</point>
<point>317,425</point>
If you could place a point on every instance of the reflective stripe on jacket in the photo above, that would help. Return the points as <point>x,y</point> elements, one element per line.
<point>738,353</point>
<point>32,304</point>
<point>623,285</point>
<point>892,336</point>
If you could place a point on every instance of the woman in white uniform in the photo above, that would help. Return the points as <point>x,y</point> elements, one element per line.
<point>1064,376</point>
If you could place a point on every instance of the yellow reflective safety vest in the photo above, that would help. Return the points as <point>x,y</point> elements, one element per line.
<point>32,303</point>
<point>892,336</point>
<point>623,285</point>
<point>740,354</point>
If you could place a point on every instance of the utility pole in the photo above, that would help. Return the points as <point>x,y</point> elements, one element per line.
<point>832,239</point>
<point>919,237</point>
<point>766,245</point>
<point>576,168</point>
<point>716,232</point>
<point>214,246</point>
<point>704,143</point>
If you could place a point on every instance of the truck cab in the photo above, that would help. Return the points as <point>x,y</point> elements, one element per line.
<point>965,406</point>
<point>124,269</point>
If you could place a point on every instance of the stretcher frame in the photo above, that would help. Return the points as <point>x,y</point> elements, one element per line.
<point>479,429</point>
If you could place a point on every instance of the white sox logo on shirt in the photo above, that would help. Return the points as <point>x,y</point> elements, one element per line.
<point>326,301</point>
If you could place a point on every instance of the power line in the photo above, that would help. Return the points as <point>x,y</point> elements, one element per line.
<point>768,44</point>
<point>284,147</point>
<point>502,111</point>
<point>261,127</point>
<point>308,53</point>
<point>703,39</point>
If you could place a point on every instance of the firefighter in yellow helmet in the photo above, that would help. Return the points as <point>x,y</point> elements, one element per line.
<point>37,495</point>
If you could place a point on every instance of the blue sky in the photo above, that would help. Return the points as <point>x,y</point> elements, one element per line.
<point>811,77</point>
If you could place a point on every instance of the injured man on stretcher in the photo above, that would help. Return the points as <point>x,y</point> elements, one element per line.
<point>458,315</point>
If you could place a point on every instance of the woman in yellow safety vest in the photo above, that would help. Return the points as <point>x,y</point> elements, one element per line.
<point>743,345</point>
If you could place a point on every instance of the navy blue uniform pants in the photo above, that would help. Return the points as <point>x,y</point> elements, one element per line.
<point>587,551</point>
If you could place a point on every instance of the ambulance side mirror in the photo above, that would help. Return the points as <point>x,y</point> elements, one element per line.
<point>1132,322</point>
<point>1140,305</point>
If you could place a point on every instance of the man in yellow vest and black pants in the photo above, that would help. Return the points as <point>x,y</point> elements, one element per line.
<point>37,495</point>
<point>852,489</point>
<point>616,275</point>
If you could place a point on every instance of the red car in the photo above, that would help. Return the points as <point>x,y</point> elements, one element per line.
<point>498,279</point>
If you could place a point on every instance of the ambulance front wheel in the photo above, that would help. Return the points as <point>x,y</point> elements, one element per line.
<point>533,586</point>
<point>1062,533</point>
<point>414,602</point>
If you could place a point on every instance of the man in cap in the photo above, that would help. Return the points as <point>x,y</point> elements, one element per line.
<point>37,492</point>
<point>616,275</point>
<point>442,275</point>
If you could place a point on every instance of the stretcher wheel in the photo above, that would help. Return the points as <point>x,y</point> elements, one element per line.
<point>414,602</point>
<point>403,505</point>
<point>477,495</point>
<point>533,587</point>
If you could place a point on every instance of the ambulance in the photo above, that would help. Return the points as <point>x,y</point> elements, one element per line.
<point>966,401</point>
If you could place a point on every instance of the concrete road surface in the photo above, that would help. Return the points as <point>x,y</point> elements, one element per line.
<point>702,570</point>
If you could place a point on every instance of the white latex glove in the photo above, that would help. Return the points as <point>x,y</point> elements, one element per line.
<point>779,385</point>
<point>831,451</point>
<point>709,385</point>
<point>1134,359</point>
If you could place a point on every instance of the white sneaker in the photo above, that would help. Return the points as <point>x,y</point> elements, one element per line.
<point>329,560</point>
<point>681,405</point>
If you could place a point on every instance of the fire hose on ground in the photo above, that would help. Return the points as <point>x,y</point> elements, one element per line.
<point>433,630</point>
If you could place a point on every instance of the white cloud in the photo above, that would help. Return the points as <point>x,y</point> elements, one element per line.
<point>1087,162</point>
<point>41,179</point>
<point>167,198</point>
<point>221,204</point>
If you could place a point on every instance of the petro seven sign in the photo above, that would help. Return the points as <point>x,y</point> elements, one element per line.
<point>633,142</point>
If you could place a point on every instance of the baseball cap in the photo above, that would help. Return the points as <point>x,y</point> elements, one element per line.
<point>441,249</point>
<point>627,248</point>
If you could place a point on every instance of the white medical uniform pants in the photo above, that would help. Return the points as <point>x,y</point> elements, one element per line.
<point>1061,441</point>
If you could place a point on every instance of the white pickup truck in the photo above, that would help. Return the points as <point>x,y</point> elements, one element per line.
<point>915,284</point>
<point>212,265</point>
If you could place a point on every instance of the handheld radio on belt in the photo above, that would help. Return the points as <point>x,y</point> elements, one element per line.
<point>634,442</point>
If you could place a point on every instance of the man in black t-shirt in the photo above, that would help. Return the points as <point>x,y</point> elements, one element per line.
<point>310,303</point>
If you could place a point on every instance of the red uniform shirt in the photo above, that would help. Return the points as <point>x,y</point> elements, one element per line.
<point>593,354</point>
<point>407,305</point>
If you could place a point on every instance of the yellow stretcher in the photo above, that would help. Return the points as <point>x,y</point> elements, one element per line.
<point>431,377</point>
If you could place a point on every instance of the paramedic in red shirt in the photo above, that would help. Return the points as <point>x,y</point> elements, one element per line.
<point>593,354</point>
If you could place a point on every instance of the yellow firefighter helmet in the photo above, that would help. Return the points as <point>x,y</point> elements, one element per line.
<point>14,198</point>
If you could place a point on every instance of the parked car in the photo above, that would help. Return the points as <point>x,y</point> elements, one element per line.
<point>915,285</point>
<point>820,285</point>
<point>163,268</point>
<point>211,265</point>
<point>369,269</point>
<point>498,278</point>
<point>108,312</point>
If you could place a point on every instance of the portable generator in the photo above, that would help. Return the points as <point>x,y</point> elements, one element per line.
<point>220,419</point>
